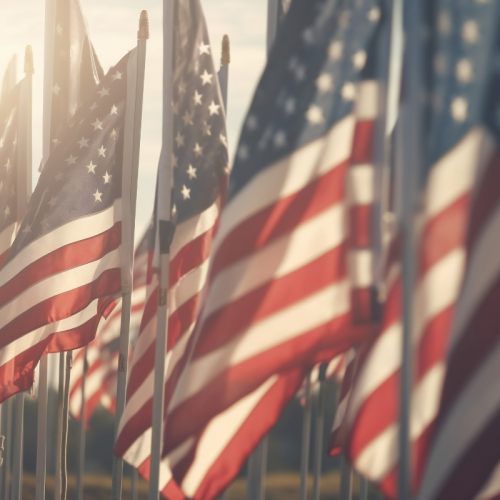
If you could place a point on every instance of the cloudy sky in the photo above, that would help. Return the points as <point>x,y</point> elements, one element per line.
<point>113,27</point>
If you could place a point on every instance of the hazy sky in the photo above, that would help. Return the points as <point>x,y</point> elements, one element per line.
<point>113,27</point>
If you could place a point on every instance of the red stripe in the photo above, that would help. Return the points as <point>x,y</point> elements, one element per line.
<point>3,258</point>
<point>281,218</point>
<point>362,148</point>
<point>362,305</point>
<point>360,224</point>
<point>62,259</point>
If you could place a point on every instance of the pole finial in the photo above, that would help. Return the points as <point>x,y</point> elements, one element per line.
<point>29,66</point>
<point>143,25</point>
<point>226,52</point>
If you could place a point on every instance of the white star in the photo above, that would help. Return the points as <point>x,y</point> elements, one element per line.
<point>114,134</point>
<point>440,64</point>
<point>197,97</point>
<point>187,118</point>
<point>7,211</point>
<point>198,150</point>
<point>325,82</point>
<point>459,109</point>
<point>348,91</point>
<point>204,49</point>
<point>91,168</point>
<point>336,50</point>
<point>214,108</point>
<point>103,92</point>
<point>27,229</point>
<point>191,172</point>
<point>71,160</point>
<point>252,122</point>
<point>107,178</point>
<point>359,59</point>
<point>243,152</point>
<point>114,110</point>
<point>179,139</point>
<point>8,164</point>
<point>280,139</point>
<point>185,192</point>
<point>444,23</point>
<point>84,143</point>
<point>59,29</point>
<point>314,115</point>
<point>56,89</point>
<point>102,151</point>
<point>206,77</point>
<point>182,88</point>
<point>175,161</point>
<point>97,195</point>
<point>206,129</point>
<point>308,36</point>
<point>97,124</point>
<point>117,76</point>
<point>56,141</point>
<point>93,107</point>
<point>52,201</point>
<point>464,70</point>
<point>59,177</point>
<point>223,139</point>
<point>14,142</point>
<point>290,106</point>
<point>1,142</point>
<point>374,15</point>
<point>470,32</point>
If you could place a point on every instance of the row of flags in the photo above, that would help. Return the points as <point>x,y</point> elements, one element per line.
<point>280,264</point>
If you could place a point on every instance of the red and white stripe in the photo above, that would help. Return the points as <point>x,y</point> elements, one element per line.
<point>463,462</point>
<point>374,403</point>
<point>189,256</point>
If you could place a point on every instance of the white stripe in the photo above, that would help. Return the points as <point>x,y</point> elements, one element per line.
<point>454,175</point>
<point>288,176</point>
<point>218,434</point>
<point>303,245</point>
<point>463,424</point>
<point>57,284</point>
<point>361,268</point>
<point>287,324</point>
<point>360,184</point>
<point>77,230</point>
<point>366,106</point>
<point>7,237</point>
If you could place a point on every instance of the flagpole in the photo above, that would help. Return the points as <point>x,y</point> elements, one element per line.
<point>306,439</point>
<point>8,449</point>
<point>17,471</point>
<point>320,424</point>
<point>165,234</point>
<point>60,406</point>
<point>272,22</point>
<point>363,488</point>
<point>65,421</point>
<point>345,480</point>
<point>134,484</point>
<point>127,286</point>
<point>83,418</point>
<point>224,70</point>
<point>410,182</point>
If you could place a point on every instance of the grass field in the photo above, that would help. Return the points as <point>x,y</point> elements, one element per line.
<point>278,487</point>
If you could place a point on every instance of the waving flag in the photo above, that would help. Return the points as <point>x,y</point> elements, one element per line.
<point>65,264</point>
<point>200,177</point>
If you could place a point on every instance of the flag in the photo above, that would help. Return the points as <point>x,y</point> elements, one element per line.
<point>279,294</point>
<point>200,164</point>
<point>9,78</point>
<point>463,460</point>
<point>76,70</point>
<point>65,265</point>
<point>101,355</point>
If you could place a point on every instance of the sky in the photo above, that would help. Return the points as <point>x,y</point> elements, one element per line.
<point>113,27</point>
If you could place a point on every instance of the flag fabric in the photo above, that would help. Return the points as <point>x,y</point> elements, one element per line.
<point>200,164</point>
<point>463,460</point>
<point>279,294</point>
<point>9,78</point>
<point>66,263</point>
<point>457,146</point>
<point>102,352</point>
<point>76,69</point>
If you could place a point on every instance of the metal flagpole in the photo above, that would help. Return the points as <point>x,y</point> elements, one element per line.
<point>127,285</point>
<point>134,493</point>
<point>272,22</point>
<point>165,234</point>
<point>306,439</point>
<point>60,405</point>
<point>65,421</point>
<point>9,412</point>
<point>224,70</point>
<point>363,488</point>
<point>345,480</point>
<point>320,424</point>
<point>41,446</point>
<point>23,193</point>
<point>410,183</point>
<point>83,418</point>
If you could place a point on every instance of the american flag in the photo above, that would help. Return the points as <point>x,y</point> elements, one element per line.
<point>457,147</point>
<point>200,164</point>
<point>76,69</point>
<point>101,355</point>
<point>463,459</point>
<point>279,295</point>
<point>65,263</point>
